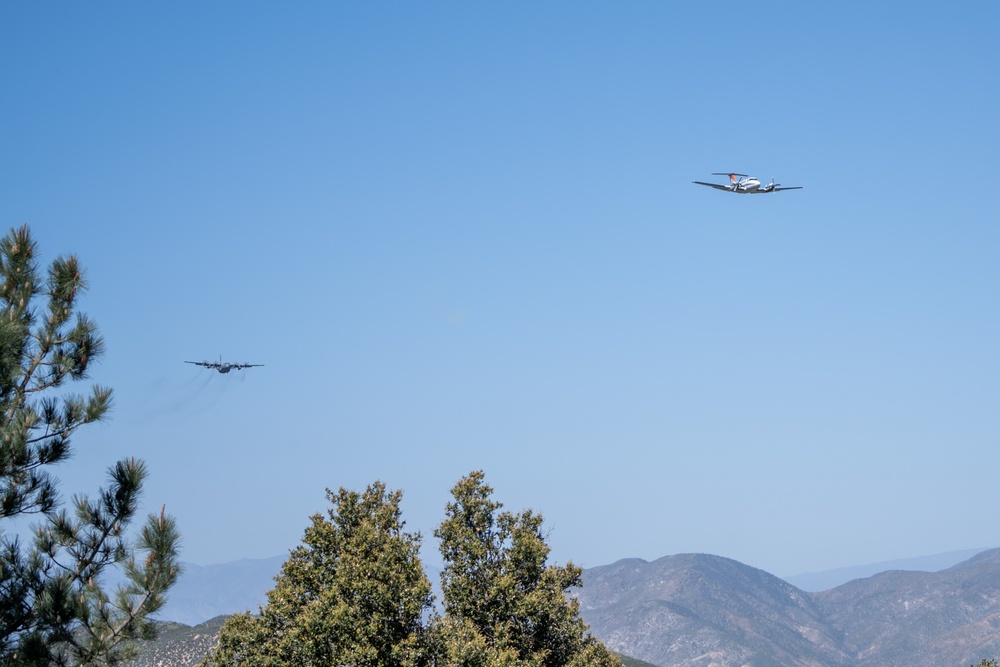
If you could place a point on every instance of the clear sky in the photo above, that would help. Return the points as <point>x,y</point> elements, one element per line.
<point>464,236</point>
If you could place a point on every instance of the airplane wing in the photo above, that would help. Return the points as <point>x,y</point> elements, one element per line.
<point>727,188</point>
<point>200,363</point>
<point>238,366</point>
<point>793,187</point>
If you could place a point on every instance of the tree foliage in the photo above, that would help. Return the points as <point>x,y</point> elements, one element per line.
<point>499,593</point>
<point>355,593</point>
<point>53,608</point>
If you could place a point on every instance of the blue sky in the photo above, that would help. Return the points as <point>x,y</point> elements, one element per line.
<point>463,236</point>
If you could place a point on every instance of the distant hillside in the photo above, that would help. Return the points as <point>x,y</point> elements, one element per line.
<point>205,591</point>
<point>632,662</point>
<point>694,609</point>
<point>824,581</point>
<point>950,617</point>
<point>180,645</point>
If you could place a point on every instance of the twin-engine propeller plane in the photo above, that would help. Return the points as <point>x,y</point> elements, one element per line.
<point>746,185</point>
<point>222,366</point>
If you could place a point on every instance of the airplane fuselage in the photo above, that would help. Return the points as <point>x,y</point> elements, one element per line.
<point>749,185</point>
<point>746,186</point>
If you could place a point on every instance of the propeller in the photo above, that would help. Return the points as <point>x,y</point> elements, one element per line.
<point>734,184</point>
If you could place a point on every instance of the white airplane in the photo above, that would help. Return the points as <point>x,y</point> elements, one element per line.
<point>746,185</point>
<point>222,366</point>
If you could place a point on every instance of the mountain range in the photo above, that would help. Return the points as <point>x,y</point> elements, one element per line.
<point>697,610</point>
<point>205,591</point>
<point>827,579</point>
<point>691,610</point>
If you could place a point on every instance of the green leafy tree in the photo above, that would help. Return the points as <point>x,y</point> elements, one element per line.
<point>354,593</point>
<point>53,608</point>
<point>503,605</point>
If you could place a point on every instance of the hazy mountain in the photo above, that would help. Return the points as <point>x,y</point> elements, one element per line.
<point>203,592</point>
<point>825,580</point>
<point>697,610</point>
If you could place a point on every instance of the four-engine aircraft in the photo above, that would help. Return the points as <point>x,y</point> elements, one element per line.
<point>222,366</point>
<point>746,185</point>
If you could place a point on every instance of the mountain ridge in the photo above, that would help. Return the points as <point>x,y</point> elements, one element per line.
<point>692,610</point>
<point>206,591</point>
<point>826,579</point>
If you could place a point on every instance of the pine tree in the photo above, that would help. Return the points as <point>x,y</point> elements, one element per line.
<point>503,605</point>
<point>354,593</point>
<point>53,607</point>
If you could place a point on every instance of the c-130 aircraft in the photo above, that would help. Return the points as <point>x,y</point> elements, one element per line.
<point>222,366</point>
